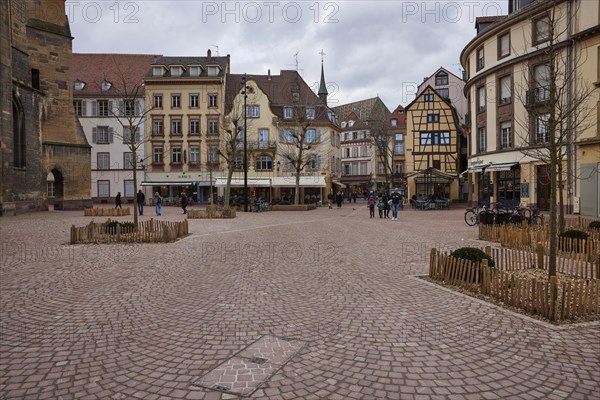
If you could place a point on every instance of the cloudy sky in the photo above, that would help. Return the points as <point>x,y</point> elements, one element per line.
<point>371,48</point>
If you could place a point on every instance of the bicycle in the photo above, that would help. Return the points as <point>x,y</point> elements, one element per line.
<point>520,214</point>
<point>472,214</point>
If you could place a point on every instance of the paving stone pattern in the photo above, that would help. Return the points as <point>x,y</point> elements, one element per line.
<point>147,321</point>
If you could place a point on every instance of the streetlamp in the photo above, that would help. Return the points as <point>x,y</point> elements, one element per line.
<point>245,92</point>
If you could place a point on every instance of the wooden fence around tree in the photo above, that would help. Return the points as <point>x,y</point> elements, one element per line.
<point>212,212</point>
<point>151,231</point>
<point>106,212</point>
<point>554,299</point>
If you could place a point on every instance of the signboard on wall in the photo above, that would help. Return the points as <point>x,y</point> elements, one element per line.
<point>524,189</point>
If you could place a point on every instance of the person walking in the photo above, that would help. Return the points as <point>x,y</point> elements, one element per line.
<point>371,204</point>
<point>140,202</point>
<point>158,204</point>
<point>386,205</point>
<point>395,204</point>
<point>380,207</point>
<point>184,202</point>
<point>118,200</point>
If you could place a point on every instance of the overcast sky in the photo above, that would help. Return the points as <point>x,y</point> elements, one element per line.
<point>371,48</point>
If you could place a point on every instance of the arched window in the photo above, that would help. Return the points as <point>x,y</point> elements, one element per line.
<point>18,133</point>
<point>264,163</point>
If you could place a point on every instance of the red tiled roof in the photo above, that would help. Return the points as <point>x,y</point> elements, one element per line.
<point>123,71</point>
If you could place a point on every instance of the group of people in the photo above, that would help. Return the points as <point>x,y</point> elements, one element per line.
<point>384,204</point>
<point>141,200</point>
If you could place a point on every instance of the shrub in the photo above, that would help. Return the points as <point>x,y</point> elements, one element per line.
<point>472,254</point>
<point>111,227</point>
<point>568,245</point>
<point>594,225</point>
<point>127,226</point>
<point>574,234</point>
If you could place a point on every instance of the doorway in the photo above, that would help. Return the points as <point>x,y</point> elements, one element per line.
<point>543,187</point>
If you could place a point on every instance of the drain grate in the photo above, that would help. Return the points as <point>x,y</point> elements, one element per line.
<point>258,360</point>
<point>221,388</point>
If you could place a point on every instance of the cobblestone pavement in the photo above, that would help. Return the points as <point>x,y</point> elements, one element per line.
<point>148,321</point>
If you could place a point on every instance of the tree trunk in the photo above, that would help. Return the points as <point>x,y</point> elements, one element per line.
<point>134,162</point>
<point>227,194</point>
<point>297,194</point>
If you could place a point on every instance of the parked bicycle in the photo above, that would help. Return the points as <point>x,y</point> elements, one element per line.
<point>523,214</point>
<point>472,215</point>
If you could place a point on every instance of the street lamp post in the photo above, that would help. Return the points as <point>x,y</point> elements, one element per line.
<point>245,92</point>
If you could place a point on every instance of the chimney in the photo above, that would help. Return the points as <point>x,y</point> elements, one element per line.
<point>269,74</point>
<point>208,54</point>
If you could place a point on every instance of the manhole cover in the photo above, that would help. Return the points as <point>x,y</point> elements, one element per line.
<point>258,360</point>
<point>221,388</point>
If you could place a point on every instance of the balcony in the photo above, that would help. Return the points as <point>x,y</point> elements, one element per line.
<point>538,96</point>
<point>256,146</point>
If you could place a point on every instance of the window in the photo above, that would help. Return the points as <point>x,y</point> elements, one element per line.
<point>176,126</point>
<point>128,160</point>
<point>194,154</point>
<point>105,85</point>
<point>194,126</point>
<point>127,135</point>
<point>355,152</point>
<point>347,169</point>
<point>505,90</point>
<point>157,101</point>
<point>441,79</point>
<point>506,135</point>
<point>213,126</point>
<point>213,71</point>
<point>481,99</point>
<point>129,110</point>
<point>176,155</point>
<point>78,85</point>
<point>433,118</point>
<point>354,135</point>
<point>364,152</point>
<point>541,30</point>
<point>78,106</point>
<point>542,133</point>
<point>504,45</point>
<point>444,137</point>
<point>129,189</point>
<point>103,108</point>
<point>481,140</point>
<point>157,126</point>
<point>212,100</point>
<point>310,113</point>
<point>363,168</point>
<point>194,71</point>
<point>175,101</point>
<point>175,71</point>
<point>102,135</point>
<point>103,160</point>
<point>313,162</point>
<point>394,122</point>
<point>253,111</point>
<point>157,71</point>
<point>346,152</point>
<point>425,138</point>
<point>311,136</point>
<point>428,98</point>
<point>399,137</point>
<point>263,138</point>
<point>51,188</point>
<point>239,139</point>
<point>381,168</point>
<point>445,92</point>
<point>264,163</point>
<point>157,155</point>
<point>103,188</point>
<point>398,148</point>
<point>398,168</point>
<point>541,81</point>
<point>213,154</point>
<point>238,163</point>
<point>288,136</point>
<point>194,100</point>
<point>287,112</point>
<point>480,58</point>
<point>343,124</point>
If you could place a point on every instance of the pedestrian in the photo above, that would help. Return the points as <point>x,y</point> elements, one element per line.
<point>354,197</point>
<point>380,206</point>
<point>118,200</point>
<point>339,199</point>
<point>395,204</point>
<point>386,205</point>
<point>371,204</point>
<point>158,203</point>
<point>140,202</point>
<point>184,202</point>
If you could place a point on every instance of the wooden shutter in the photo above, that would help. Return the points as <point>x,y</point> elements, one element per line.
<point>95,108</point>
<point>94,134</point>
<point>83,108</point>
<point>121,111</point>
<point>110,109</point>
<point>110,135</point>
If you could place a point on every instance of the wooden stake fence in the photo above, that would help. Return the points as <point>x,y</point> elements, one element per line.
<point>151,231</point>
<point>553,299</point>
<point>106,212</point>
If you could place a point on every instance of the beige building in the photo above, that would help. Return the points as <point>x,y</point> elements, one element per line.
<point>433,147</point>
<point>187,99</point>
<point>508,80</point>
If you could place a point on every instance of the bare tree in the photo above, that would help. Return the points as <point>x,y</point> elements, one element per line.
<point>555,96</point>
<point>382,143</point>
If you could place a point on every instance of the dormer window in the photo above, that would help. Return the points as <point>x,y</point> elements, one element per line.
<point>351,123</point>
<point>78,85</point>
<point>343,124</point>
<point>157,71</point>
<point>287,112</point>
<point>105,85</point>
<point>394,122</point>
<point>310,113</point>
<point>213,71</point>
<point>195,71</point>
<point>175,71</point>
<point>441,79</point>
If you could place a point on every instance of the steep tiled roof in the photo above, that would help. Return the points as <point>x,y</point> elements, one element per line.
<point>369,109</point>
<point>358,123</point>
<point>123,71</point>
<point>399,115</point>
<point>278,89</point>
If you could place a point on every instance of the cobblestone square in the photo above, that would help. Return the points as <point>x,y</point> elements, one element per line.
<point>146,321</point>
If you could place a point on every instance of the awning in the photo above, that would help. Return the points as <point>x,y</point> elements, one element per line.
<point>501,167</point>
<point>305,181</point>
<point>340,184</point>
<point>477,168</point>
<point>160,183</point>
<point>239,182</point>
<point>432,179</point>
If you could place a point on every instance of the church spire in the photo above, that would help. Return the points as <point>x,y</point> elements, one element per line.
<point>322,87</point>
